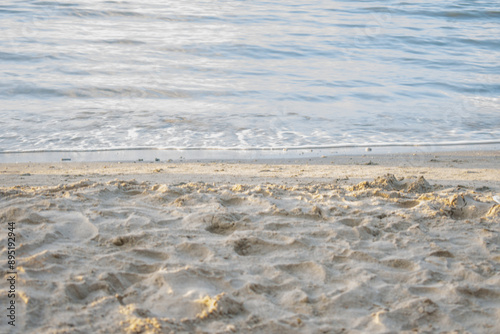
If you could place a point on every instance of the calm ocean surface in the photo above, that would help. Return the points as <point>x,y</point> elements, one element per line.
<point>99,75</point>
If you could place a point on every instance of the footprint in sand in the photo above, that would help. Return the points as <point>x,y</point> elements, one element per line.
<point>463,206</point>
<point>216,223</point>
<point>72,226</point>
<point>478,292</point>
<point>442,253</point>
<point>243,246</point>
<point>194,250</point>
<point>257,246</point>
<point>305,271</point>
<point>79,292</point>
<point>351,222</point>
<point>407,204</point>
<point>223,224</point>
<point>400,264</point>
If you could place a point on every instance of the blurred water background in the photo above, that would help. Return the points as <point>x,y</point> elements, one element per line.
<point>225,74</point>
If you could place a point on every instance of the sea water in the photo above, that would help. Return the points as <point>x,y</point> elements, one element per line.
<point>87,75</point>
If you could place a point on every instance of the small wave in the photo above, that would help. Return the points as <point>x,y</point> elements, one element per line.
<point>463,14</point>
<point>122,93</point>
<point>277,148</point>
<point>144,16</point>
<point>20,57</point>
<point>54,3</point>
<point>80,12</point>
<point>249,51</point>
<point>120,41</point>
<point>11,11</point>
<point>482,88</point>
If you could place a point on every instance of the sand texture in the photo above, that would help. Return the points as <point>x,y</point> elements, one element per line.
<point>254,248</point>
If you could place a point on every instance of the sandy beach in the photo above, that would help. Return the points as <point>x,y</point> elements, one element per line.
<point>345,244</point>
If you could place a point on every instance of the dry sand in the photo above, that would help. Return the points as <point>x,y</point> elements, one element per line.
<point>361,244</point>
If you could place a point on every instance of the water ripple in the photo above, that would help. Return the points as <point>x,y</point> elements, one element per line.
<point>91,75</point>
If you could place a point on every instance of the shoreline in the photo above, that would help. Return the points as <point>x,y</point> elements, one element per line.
<point>480,168</point>
<point>131,155</point>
